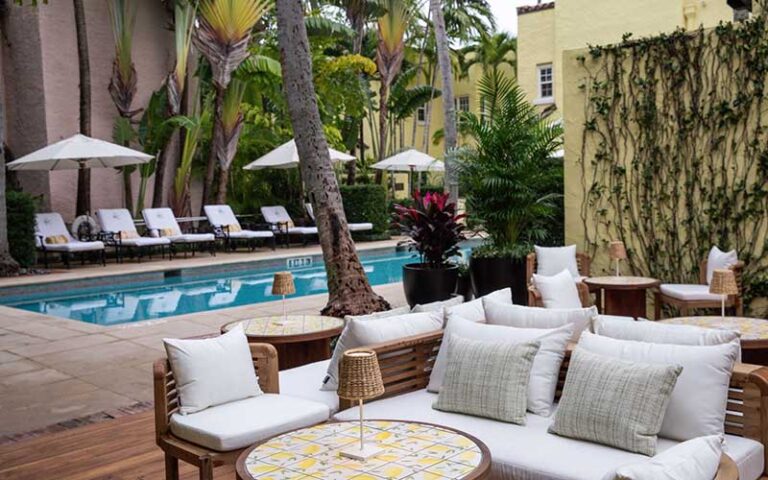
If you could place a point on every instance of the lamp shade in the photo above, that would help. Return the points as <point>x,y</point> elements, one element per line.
<point>617,251</point>
<point>359,375</point>
<point>723,282</point>
<point>282,284</point>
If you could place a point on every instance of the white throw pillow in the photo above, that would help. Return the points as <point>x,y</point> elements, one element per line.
<point>546,364</point>
<point>212,371</point>
<point>435,306</point>
<point>718,259</point>
<point>535,317</point>
<point>696,459</point>
<point>557,291</point>
<point>386,313</point>
<point>361,333</point>
<point>553,260</point>
<point>474,311</point>
<point>700,396</point>
<point>655,332</point>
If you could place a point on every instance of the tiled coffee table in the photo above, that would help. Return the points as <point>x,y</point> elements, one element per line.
<point>410,451</point>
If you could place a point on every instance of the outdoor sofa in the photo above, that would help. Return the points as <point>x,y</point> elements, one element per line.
<point>52,236</point>
<point>119,230</point>
<point>227,227</point>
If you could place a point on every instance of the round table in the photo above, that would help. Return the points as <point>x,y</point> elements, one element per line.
<point>754,333</point>
<point>410,450</point>
<point>299,339</point>
<point>622,295</point>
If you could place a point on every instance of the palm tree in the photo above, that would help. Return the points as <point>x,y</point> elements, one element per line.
<point>231,126</point>
<point>222,36</point>
<point>466,20</point>
<point>84,68</point>
<point>348,289</point>
<point>492,51</point>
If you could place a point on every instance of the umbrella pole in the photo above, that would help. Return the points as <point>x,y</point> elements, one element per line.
<point>410,179</point>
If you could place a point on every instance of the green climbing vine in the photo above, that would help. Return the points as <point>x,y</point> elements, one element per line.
<point>674,149</point>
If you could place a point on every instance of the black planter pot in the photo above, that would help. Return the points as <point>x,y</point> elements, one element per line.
<point>494,273</point>
<point>464,287</point>
<point>424,285</point>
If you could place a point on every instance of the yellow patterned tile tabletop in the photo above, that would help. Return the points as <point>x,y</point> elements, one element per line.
<point>410,451</point>
<point>749,328</point>
<point>279,326</point>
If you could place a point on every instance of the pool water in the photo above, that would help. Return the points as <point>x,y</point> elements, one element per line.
<point>178,295</point>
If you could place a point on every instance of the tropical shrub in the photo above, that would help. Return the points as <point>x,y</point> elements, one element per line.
<point>21,209</point>
<point>366,203</point>
<point>433,226</point>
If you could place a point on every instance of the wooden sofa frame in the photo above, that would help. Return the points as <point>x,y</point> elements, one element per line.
<point>167,403</point>
<point>534,297</point>
<point>733,301</point>
<point>406,365</point>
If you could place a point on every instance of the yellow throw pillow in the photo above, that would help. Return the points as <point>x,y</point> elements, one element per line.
<point>234,228</point>
<point>56,239</point>
<point>126,235</point>
<point>168,232</point>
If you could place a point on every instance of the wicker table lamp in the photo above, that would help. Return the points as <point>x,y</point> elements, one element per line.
<point>617,252</point>
<point>723,284</point>
<point>360,379</point>
<point>283,285</point>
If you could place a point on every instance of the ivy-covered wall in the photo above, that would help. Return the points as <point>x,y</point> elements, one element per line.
<point>666,147</point>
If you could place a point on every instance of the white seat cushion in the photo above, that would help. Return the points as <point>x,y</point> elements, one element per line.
<point>303,230</point>
<point>74,246</point>
<point>192,238</point>
<point>144,241</point>
<point>553,260</point>
<point>688,292</point>
<point>301,382</point>
<point>528,452</point>
<point>235,425</point>
<point>360,227</point>
<point>251,234</point>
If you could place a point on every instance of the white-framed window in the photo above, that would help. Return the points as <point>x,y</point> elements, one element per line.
<point>546,83</point>
<point>421,114</point>
<point>463,103</point>
<point>483,113</point>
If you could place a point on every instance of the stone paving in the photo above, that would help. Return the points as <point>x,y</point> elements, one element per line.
<point>54,369</point>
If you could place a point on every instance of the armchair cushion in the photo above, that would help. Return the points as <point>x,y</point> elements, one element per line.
<point>238,424</point>
<point>557,291</point>
<point>301,382</point>
<point>553,260</point>
<point>696,459</point>
<point>435,306</point>
<point>689,292</point>
<point>719,259</point>
<point>474,310</point>
<point>535,317</point>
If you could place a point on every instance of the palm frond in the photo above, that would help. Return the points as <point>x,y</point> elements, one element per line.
<point>320,26</point>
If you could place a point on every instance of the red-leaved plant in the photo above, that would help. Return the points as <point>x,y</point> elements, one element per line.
<point>433,226</point>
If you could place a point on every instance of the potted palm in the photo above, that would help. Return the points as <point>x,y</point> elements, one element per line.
<point>507,180</point>
<point>435,231</point>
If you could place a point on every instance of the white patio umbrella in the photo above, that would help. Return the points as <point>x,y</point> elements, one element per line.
<point>287,156</point>
<point>410,161</point>
<point>78,152</point>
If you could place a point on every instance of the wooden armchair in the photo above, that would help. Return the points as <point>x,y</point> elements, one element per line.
<point>534,297</point>
<point>167,403</point>
<point>685,305</point>
<point>406,365</point>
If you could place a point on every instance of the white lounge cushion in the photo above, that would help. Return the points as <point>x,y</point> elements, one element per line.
<point>683,291</point>
<point>439,305</point>
<point>51,224</point>
<point>144,241</point>
<point>718,259</point>
<point>557,291</point>
<point>242,423</point>
<point>301,382</point>
<point>530,453</point>
<point>553,260</point>
<point>360,227</point>
<point>535,317</point>
<point>546,364</point>
<point>158,219</point>
<point>361,333</point>
<point>699,399</point>
<point>212,371</point>
<point>251,234</point>
<point>75,246</point>
<point>474,310</point>
<point>192,238</point>
<point>696,459</point>
<point>655,332</point>
<point>220,215</point>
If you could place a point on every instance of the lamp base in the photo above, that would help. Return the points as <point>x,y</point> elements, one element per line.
<point>356,453</point>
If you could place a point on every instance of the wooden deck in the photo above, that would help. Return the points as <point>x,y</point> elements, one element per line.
<point>112,450</point>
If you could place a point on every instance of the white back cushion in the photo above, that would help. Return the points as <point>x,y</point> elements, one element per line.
<point>546,364</point>
<point>534,317</point>
<point>439,305</point>
<point>386,313</point>
<point>553,260</point>
<point>275,214</point>
<point>655,332</point>
<point>474,310</point>
<point>698,402</point>
<point>557,291</point>
<point>115,220</point>
<point>220,215</point>
<point>361,333</point>
<point>718,259</point>
<point>160,218</point>
<point>696,459</point>
<point>212,371</point>
<point>51,224</point>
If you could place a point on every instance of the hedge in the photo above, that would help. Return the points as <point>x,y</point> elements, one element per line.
<point>366,203</point>
<point>21,227</point>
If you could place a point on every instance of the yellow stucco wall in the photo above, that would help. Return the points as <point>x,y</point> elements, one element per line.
<point>535,46</point>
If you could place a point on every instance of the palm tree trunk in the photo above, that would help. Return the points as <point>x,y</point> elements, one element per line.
<point>348,289</point>
<point>419,67</point>
<point>128,188</point>
<point>221,191</point>
<point>444,60</point>
<point>210,171</point>
<point>383,120</point>
<point>428,111</point>
<point>8,265</point>
<point>358,24</point>
<point>84,67</point>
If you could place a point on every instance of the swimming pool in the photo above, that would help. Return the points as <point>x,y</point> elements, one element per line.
<point>133,298</point>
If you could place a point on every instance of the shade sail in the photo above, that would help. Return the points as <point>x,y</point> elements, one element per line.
<point>79,151</point>
<point>410,160</point>
<point>287,156</point>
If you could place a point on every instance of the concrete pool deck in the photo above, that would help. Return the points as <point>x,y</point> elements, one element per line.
<point>53,370</point>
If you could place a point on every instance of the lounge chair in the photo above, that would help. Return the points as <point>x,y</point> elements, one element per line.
<point>119,230</point>
<point>52,236</point>
<point>282,224</point>
<point>353,227</point>
<point>161,222</point>
<point>227,227</point>
<point>582,262</point>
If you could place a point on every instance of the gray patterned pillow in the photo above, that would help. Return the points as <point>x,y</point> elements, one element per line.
<point>487,379</point>
<point>614,402</point>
